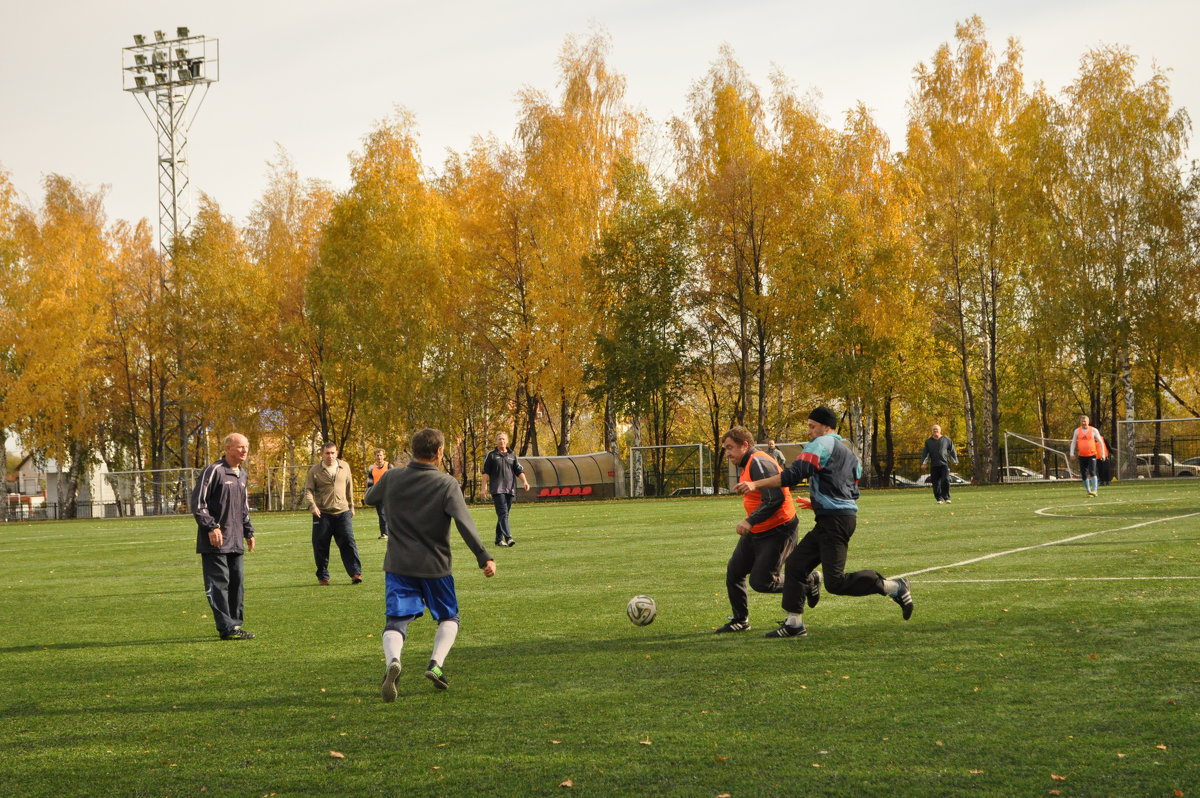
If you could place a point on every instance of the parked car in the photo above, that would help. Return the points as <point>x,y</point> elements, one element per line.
<point>904,482</point>
<point>1163,465</point>
<point>1192,461</point>
<point>955,479</point>
<point>1021,474</point>
<point>1061,473</point>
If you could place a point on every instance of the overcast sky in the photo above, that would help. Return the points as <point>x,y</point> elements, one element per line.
<point>314,77</point>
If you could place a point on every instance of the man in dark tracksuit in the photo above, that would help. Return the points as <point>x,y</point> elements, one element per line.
<point>939,451</point>
<point>765,536</point>
<point>832,470</point>
<point>221,508</point>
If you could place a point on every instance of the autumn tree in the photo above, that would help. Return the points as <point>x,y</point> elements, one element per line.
<point>53,326</point>
<point>966,102</point>
<point>638,283</point>
<point>570,151</point>
<point>725,167</point>
<point>1120,205</point>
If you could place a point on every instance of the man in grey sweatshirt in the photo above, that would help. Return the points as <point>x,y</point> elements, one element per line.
<point>418,503</point>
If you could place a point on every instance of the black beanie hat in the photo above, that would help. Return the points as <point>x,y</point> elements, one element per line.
<point>823,415</point>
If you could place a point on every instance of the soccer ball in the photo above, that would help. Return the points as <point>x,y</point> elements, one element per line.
<point>641,610</point>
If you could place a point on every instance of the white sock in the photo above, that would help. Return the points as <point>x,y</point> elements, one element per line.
<point>795,619</point>
<point>891,587</point>
<point>447,631</point>
<point>393,644</point>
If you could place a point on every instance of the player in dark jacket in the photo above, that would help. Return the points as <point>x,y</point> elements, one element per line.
<point>832,470</point>
<point>221,507</point>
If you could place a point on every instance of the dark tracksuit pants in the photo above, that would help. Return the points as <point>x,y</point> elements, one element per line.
<point>826,545</point>
<point>759,555</point>
<point>225,589</point>
<point>339,528</point>
<point>939,475</point>
<point>503,503</point>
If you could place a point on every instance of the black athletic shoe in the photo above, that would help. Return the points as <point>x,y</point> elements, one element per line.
<point>388,690</point>
<point>510,542</point>
<point>237,633</point>
<point>788,631</point>
<point>734,625</point>
<point>904,598</point>
<point>813,591</point>
<point>356,579</point>
<point>435,674</point>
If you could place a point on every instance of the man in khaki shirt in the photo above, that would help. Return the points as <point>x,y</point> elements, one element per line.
<point>329,492</point>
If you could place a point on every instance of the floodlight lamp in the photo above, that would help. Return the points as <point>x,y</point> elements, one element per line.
<point>185,74</point>
<point>160,77</point>
<point>139,59</point>
<point>159,36</point>
<point>182,31</point>
<point>181,53</point>
<point>139,39</point>
<point>160,56</point>
<point>140,80</point>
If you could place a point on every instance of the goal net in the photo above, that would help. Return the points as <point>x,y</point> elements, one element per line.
<point>668,470</point>
<point>164,491</point>
<point>1158,448</point>
<point>1047,457</point>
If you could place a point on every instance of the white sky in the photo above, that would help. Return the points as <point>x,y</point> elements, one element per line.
<point>313,77</point>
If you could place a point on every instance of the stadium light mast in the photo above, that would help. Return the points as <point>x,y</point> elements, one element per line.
<point>163,75</point>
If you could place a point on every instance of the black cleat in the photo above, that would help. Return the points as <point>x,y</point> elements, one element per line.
<point>734,625</point>
<point>237,633</point>
<point>788,631</point>
<point>435,674</point>
<point>904,598</point>
<point>813,591</point>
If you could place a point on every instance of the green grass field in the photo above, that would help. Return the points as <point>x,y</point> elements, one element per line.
<point>1068,669</point>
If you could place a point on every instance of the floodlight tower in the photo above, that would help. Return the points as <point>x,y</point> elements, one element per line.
<point>163,75</point>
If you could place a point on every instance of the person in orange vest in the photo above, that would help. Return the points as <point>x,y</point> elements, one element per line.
<point>1090,447</point>
<point>833,471</point>
<point>766,536</point>
<point>374,472</point>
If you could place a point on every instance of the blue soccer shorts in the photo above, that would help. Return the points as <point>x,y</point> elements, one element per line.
<point>410,595</point>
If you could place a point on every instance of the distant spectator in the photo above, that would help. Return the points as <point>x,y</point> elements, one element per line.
<point>939,453</point>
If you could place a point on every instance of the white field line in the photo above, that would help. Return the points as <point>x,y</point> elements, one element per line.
<point>1057,579</point>
<point>1071,539</point>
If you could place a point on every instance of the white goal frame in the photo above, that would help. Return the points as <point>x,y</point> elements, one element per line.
<point>1042,443</point>
<point>1127,439</point>
<point>635,464</point>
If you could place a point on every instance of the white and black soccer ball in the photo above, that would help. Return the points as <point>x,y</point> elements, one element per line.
<point>641,610</point>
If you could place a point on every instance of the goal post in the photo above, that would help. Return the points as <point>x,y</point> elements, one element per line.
<point>1156,448</point>
<point>1047,456</point>
<point>666,470</point>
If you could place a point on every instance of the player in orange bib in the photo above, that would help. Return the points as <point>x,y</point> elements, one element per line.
<point>1089,445</point>
<point>766,536</point>
<point>374,471</point>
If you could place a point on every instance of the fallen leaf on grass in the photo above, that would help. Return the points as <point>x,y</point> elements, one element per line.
<point>1057,777</point>
<point>567,783</point>
<point>645,742</point>
<point>1179,793</point>
<point>1056,792</point>
<point>722,759</point>
<point>555,742</point>
<point>723,795</point>
<point>975,772</point>
<point>337,755</point>
<point>1161,747</point>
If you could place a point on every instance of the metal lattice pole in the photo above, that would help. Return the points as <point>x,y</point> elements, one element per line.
<point>164,75</point>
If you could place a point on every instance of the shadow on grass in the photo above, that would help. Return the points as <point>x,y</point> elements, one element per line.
<point>89,644</point>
